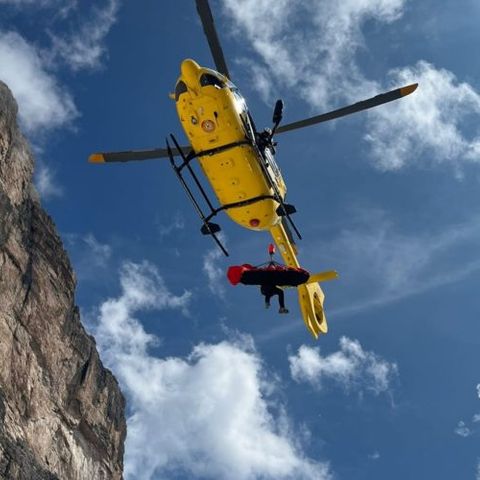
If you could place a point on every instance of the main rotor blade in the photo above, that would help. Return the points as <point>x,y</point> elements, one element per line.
<point>356,107</point>
<point>134,155</point>
<point>206,17</point>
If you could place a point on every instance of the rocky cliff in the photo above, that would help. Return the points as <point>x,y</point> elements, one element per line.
<point>61,412</point>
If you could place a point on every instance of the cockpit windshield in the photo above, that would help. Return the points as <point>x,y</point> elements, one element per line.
<point>179,89</point>
<point>209,79</point>
<point>240,103</point>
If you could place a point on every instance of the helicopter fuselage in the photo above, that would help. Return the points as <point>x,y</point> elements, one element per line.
<point>241,172</point>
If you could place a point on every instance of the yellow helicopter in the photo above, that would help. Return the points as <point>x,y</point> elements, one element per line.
<point>238,160</point>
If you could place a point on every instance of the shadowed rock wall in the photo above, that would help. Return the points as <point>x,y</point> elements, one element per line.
<point>61,412</point>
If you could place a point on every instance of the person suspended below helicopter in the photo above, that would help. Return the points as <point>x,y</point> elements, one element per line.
<point>270,276</point>
<point>269,291</point>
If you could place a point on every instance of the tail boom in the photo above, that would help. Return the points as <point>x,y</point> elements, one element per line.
<point>310,295</point>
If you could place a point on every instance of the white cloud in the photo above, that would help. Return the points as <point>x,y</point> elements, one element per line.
<point>462,429</point>
<point>101,252</point>
<point>351,366</point>
<point>43,104</point>
<point>29,69</point>
<point>178,223</point>
<point>374,456</point>
<point>45,182</point>
<point>57,8</point>
<point>428,125</point>
<point>208,415</point>
<point>323,49</point>
<point>380,264</point>
<point>84,47</point>
<point>143,288</point>
<point>92,258</point>
<point>215,275</point>
<point>23,3</point>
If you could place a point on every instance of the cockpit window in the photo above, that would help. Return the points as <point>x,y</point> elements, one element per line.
<point>179,89</point>
<point>209,79</point>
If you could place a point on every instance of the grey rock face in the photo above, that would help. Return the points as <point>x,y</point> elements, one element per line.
<point>61,412</point>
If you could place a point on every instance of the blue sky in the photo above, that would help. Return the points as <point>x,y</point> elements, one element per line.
<point>216,386</point>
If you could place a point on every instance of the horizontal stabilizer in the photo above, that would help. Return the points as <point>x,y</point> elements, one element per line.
<point>322,276</point>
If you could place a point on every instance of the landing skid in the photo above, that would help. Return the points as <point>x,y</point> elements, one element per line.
<point>209,228</point>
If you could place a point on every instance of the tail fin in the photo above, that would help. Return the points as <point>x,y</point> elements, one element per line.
<point>310,298</point>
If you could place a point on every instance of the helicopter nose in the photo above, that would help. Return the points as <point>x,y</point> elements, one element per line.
<point>190,71</point>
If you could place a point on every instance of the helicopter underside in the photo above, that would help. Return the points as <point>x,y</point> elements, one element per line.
<point>214,117</point>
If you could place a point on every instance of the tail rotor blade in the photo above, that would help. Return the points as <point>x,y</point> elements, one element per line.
<point>356,107</point>
<point>206,17</point>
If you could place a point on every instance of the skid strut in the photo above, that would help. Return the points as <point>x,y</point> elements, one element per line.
<point>208,228</point>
